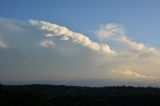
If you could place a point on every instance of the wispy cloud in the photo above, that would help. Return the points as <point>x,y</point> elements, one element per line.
<point>110,30</point>
<point>131,74</point>
<point>2,45</point>
<point>46,43</point>
<point>117,32</point>
<point>131,54</point>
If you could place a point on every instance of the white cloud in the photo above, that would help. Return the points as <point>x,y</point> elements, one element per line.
<point>75,55</point>
<point>65,38</point>
<point>131,74</point>
<point>46,43</point>
<point>56,30</point>
<point>132,44</point>
<point>117,33</point>
<point>131,55</point>
<point>110,30</point>
<point>2,45</point>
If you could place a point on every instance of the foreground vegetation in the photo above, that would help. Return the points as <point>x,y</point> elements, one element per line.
<point>52,95</point>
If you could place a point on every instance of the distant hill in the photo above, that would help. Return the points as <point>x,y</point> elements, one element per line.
<point>53,95</point>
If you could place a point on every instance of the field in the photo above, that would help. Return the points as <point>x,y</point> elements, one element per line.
<point>59,95</point>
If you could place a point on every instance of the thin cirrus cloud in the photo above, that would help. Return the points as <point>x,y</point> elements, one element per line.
<point>63,54</point>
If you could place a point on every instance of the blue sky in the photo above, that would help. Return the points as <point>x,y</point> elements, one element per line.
<point>57,40</point>
<point>140,17</point>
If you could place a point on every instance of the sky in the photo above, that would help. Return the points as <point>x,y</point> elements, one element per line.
<point>80,42</point>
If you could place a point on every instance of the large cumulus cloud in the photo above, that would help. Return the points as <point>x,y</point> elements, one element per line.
<point>39,50</point>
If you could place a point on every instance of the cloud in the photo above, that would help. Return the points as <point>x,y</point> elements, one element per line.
<point>56,30</point>
<point>117,33</point>
<point>131,55</point>
<point>132,44</point>
<point>110,30</point>
<point>67,57</point>
<point>2,45</point>
<point>71,55</point>
<point>131,74</point>
<point>46,43</point>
